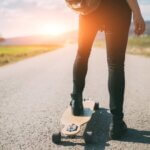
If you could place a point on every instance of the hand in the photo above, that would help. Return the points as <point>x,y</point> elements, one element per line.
<point>139,24</point>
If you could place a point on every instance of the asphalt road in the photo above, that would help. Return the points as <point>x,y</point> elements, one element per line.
<point>35,92</point>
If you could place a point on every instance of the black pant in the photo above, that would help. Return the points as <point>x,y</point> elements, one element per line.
<point>116,24</point>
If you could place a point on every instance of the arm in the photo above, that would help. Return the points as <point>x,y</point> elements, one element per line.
<point>137,17</point>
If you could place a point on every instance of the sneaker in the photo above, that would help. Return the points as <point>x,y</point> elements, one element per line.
<point>76,105</point>
<point>117,129</point>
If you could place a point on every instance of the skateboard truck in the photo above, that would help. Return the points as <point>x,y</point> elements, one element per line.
<point>73,127</point>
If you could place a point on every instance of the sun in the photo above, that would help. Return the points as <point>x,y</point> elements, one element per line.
<point>53,29</point>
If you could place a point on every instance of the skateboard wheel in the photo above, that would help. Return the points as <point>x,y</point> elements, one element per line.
<point>96,107</point>
<point>72,136</point>
<point>86,99</point>
<point>88,137</point>
<point>56,138</point>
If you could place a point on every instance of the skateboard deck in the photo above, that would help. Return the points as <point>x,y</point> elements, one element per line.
<point>72,123</point>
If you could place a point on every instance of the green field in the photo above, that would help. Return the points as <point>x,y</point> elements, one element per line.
<point>139,45</point>
<point>136,45</point>
<point>9,54</point>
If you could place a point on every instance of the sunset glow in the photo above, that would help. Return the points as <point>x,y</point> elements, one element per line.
<point>53,29</point>
<point>29,17</point>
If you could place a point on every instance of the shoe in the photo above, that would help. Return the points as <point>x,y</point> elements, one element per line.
<point>76,104</point>
<point>118,128</point>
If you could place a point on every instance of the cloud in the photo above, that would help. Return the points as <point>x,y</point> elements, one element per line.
<point>144,2</point>
<point>20,17</point>
<point>145,9</point>
<point>34,4</point>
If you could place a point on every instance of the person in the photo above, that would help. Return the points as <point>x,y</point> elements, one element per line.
<point>114,18</point>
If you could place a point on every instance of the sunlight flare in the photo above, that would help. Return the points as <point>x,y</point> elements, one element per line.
<point>53,29</point>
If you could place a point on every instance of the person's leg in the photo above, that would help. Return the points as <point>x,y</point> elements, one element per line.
<point>116,47</point>
<point>86,36</point>
<point>116,41</point>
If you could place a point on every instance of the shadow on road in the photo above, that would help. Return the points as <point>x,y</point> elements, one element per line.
<point>137,136</point>
<point>99,126</point>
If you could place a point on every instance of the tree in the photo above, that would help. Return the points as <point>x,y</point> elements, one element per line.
<point>1,39</point>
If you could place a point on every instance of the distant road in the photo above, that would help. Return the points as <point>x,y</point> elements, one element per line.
<point>35,92</point>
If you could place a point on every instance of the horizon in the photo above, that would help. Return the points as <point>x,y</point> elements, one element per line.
<point>31,17</point>
<point>51,35</point>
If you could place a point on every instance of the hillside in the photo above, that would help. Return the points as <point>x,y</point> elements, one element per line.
<point>69,37</point>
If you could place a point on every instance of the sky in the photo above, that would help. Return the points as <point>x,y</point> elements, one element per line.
<point>30,17</point>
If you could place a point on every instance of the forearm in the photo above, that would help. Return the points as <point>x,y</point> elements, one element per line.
<point>137,17</point>
<point>133,4</point>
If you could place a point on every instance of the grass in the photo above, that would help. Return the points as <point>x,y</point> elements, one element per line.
<point>136,45</point>
<point>9,54</point>
<point>139,45</point>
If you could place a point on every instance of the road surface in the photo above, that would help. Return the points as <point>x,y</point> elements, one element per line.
<point>35,92</point>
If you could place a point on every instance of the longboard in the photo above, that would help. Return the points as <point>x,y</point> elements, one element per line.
<point>72,124</point>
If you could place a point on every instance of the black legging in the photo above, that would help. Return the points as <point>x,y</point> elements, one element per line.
<point>115,22</point>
